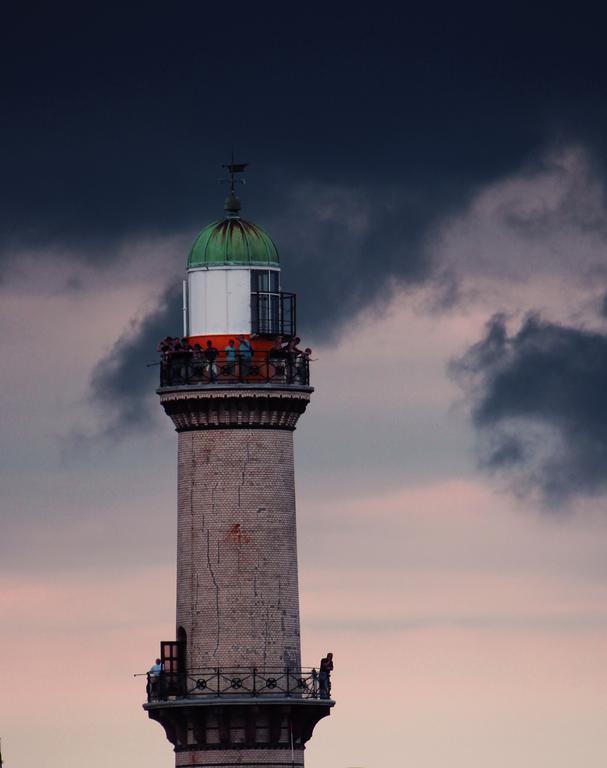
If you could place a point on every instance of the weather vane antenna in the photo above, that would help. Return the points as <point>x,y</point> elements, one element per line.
<point>233,168</point>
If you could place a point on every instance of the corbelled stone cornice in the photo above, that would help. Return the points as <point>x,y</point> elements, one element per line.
<point>193,408</point>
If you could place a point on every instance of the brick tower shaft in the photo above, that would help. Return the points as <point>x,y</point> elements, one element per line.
<point>237,597</point>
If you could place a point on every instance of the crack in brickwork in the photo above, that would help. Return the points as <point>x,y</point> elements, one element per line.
<point>265,637</point>
<point>245,464</point>
<point>216,585</point>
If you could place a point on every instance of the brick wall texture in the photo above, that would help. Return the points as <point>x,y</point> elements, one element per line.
<point>260,758</point>
<point>237,593</point>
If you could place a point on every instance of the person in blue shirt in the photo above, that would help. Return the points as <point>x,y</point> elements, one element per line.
<point>245,353</point>
<point>230,356</point>
<point>153,687</point>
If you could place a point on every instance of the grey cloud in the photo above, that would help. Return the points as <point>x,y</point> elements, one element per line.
<point>545,219</point>
<point>569,194</point>
<point>538,402</point>
<point>122,384</point>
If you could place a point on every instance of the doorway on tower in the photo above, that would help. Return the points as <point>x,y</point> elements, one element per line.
<point>172,656</point>
<point>272,310</point>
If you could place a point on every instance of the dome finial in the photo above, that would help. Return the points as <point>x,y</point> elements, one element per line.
<point>232,202</point>
<point>232,205</point>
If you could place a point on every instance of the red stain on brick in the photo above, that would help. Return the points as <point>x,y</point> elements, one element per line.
<point>237,536</point>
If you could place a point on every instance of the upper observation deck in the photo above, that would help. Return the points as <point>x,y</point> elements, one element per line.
<point>209,369</point>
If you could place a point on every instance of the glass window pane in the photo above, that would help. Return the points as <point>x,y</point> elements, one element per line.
<point>262,280</point>
<point>259,280</point>
<point>274,315</point>
<point>263,314</point>
<point>274,282</point>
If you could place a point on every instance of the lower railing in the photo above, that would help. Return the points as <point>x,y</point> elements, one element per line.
<point>301,683</point>
<point>191,368</point>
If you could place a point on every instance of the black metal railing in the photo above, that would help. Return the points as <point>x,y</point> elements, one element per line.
<point>218,683</point>
<point>191,368</point>
<point>273,313</point>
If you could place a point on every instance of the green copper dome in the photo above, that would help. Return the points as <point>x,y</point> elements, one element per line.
<point>233,242</point>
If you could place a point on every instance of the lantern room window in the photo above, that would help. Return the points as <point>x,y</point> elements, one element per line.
<point>265,281</point>
<point>272,311</point>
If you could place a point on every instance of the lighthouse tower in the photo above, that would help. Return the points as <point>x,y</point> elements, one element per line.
<point>232,690</point>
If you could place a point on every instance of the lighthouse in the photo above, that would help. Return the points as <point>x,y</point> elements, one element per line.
<point>231,689</point>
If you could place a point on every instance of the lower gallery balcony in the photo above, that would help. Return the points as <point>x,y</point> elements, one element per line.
<point>227,709</point>
<point>213,684</point>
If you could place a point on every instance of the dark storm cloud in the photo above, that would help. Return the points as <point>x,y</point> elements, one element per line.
<point>115,119</point>
<point>123,382</point>
<point>346,250</point>
<point>538,401</point>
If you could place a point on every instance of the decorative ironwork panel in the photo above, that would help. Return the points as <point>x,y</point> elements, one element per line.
<point>190,368</point>
<point>219,683</point>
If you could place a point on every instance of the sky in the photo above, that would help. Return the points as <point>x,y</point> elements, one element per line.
<point>435,181</point>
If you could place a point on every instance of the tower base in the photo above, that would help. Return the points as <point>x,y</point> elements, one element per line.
<point>239,732</point>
